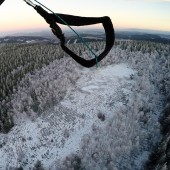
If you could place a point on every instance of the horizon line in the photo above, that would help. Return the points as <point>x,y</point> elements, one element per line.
<point>9,33</point>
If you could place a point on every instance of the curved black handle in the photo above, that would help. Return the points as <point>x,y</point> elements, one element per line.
<point>80,21</point>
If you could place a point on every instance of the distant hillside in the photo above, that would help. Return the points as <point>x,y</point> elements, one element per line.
<point>143,36</point>
<point>27,39</point>
<point>88,35</point>
<point>55,114</point>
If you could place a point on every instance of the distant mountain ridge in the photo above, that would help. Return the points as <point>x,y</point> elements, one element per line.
<point>27,39</point>
<point>88,35</point>
<point>143,36</point>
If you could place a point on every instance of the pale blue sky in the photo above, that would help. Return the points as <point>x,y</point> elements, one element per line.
<point>16,15</point>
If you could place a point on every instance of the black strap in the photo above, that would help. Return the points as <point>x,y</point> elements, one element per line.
<point>79,21</point>
<point>1,1</point>
<point>110,38</point>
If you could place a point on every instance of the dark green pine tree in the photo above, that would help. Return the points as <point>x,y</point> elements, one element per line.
<point>20,168</point>
<point>38,166</point>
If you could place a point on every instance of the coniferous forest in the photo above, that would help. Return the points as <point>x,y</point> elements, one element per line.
<point>34,81</point>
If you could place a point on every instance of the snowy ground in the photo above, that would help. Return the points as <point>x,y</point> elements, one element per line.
<point>60,131</point>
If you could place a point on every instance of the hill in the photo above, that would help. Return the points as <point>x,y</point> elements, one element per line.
<point>64,116</point>
<point>88,35</point>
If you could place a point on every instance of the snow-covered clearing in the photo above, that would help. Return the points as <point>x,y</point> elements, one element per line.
<point>58,132</point>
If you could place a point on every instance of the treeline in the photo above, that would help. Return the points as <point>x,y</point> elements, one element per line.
<point>160,156</point>
<point>42,74</point>
<point>133,129</point>
<point>17,61</point>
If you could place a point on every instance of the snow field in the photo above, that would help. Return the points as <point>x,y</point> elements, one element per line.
<point>60,132</point>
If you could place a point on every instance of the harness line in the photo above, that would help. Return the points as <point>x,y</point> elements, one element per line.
<point>83,41</point>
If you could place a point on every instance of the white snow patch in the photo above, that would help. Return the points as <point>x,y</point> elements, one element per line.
<point>60,132</point>
<point>30,41</point>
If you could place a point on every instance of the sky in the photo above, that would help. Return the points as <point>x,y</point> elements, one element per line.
<point>17,16</point>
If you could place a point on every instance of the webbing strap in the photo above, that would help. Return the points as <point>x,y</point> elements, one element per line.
<point>65,23</point>
<point>79,21</point>
<point>1,1</point>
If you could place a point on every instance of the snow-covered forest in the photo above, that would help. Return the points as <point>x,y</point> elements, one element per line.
<point>55,114</point>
